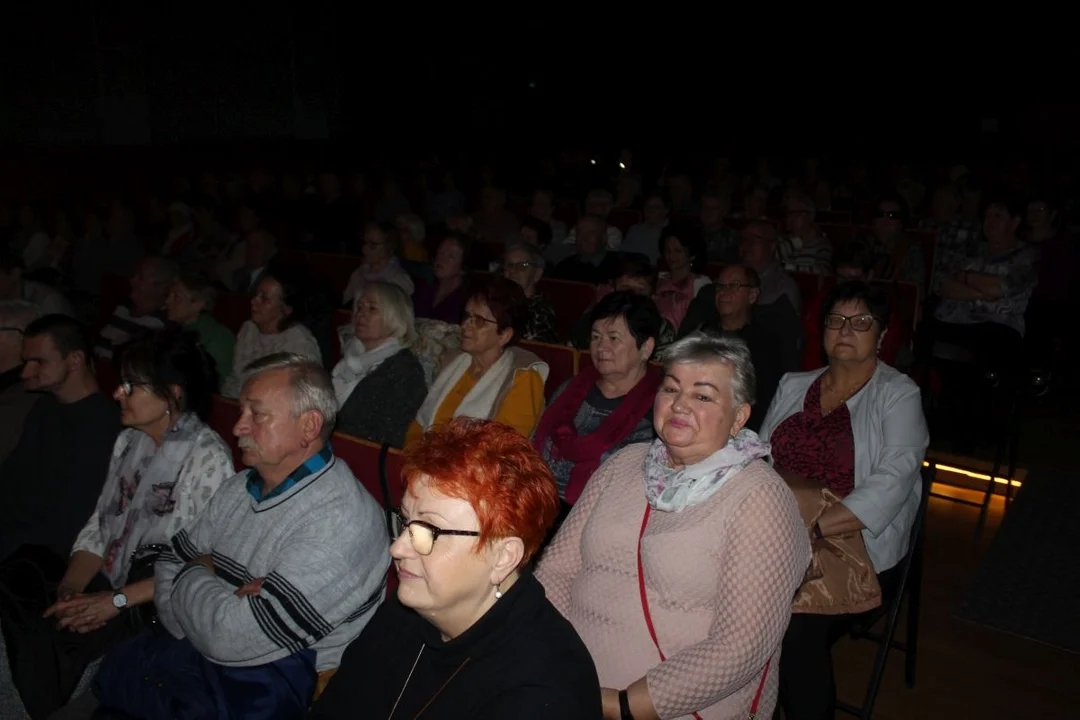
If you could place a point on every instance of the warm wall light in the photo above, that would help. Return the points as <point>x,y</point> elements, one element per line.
<point>970,474</point>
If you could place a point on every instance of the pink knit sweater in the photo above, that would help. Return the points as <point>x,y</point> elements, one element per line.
<point>720,578</point>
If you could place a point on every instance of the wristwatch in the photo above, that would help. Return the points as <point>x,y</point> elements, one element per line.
<point>119,599</point>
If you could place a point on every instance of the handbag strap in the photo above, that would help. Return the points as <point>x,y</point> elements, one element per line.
<point>652,629</point>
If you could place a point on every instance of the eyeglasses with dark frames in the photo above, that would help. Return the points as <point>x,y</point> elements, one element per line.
<point>127,387</point>
<point>422,534</point>
<point>859,323</point>
<point>476,321</point>
<point>518,266</point>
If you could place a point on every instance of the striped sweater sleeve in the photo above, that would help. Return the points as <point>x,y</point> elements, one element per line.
<point>309,591</point>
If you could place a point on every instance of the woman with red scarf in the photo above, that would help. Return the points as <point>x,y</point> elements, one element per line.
<point>608,404</point>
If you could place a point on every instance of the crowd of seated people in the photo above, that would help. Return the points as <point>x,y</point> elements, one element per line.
<point>685,326</point>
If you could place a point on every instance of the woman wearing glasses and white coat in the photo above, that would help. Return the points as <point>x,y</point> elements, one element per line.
<point>490,378</point>
<point>857,428</point>
<point>469,633</point>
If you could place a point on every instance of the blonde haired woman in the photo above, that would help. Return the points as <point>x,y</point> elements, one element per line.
<point>379,382</point>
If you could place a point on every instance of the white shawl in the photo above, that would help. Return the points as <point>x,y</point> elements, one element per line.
<point>480,400</point>
<point>356,363</point>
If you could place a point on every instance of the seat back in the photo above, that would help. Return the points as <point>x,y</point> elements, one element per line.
<point>108,375</point>
<point>624,218</point>
<point>569,299</point>
<point>333,271</point>
<point>232,310</point>
<point>224,413</point>
<point>562,363</point>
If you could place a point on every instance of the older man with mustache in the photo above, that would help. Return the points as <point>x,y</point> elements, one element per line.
<point>283,570</point>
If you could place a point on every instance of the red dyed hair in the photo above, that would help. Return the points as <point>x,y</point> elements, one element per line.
<point>496,470</point>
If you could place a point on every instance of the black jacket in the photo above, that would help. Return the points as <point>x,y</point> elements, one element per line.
<point>520,661</point>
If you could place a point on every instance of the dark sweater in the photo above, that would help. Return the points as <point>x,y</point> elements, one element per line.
<point>382,405</point>
<point>50,483</point>
<point>525,662</point>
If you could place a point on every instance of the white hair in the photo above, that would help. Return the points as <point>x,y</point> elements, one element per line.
<point>311,386</point>
<point>701,347</point>
<point>415,225</point>
<point>396,308</point>
<point>18,313</point>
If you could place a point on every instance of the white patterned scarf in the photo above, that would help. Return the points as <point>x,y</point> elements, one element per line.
<point>357,363</point>
<point>673,490</point>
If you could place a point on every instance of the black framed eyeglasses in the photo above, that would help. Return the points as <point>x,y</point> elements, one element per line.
<point>859,323</point>
<point>476,320</point>
<point>127,387</point>
<point>422,534</point>
<point>518,266</point>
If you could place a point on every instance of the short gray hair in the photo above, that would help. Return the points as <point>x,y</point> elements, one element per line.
<point>535,258</point>
<point>702,347</point>
<point>18,313</point>
<point>311,386</point>
<point>396,307</point>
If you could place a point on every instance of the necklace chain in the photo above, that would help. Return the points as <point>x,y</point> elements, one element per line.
<point>437,693</point>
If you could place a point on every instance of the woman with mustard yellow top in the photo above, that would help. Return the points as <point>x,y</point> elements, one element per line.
<point>491,378</point>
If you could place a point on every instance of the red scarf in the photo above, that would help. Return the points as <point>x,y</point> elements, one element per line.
<point>585,451</point>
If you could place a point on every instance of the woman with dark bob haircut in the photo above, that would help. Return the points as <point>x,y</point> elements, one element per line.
<point>490,378</point>
<point>165,467</point>
<point>855,427</point>
<point>469,633</point>
<point>607,405</point>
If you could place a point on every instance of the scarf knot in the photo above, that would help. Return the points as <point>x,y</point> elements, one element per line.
<point>673,490</point>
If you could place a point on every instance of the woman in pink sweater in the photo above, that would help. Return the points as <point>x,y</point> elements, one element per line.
<point>682,593</point>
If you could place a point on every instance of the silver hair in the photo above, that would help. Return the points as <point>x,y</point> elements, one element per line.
<point>535,258</point>
<point>702,347</point>
<point>396,307</point>
<point>311,386</point>
<point>18,313</point>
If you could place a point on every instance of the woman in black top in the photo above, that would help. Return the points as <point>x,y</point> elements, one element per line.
<point>469,633</point>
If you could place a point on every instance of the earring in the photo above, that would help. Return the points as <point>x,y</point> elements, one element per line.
<point>498,591</point>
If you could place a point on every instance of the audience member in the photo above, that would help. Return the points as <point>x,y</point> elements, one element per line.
<point>492,220</point>
<point>164,469</point>
<point>150,286</point>
<point>857,428</point>
<point>897,256</point>
<point>15,401</point>
<point>14,287</point>
<point>65,445</point>
<point>721,241</point>
<point>644,237</point>
<point>525,265</point>
<point>469,632</point>
<point>733,310</point>
<point>278,314</point>
<point>542,209</point>
<point>635,275</point>
<point>608,404</point>
<point>676,288</point>
<point>380,250</point>
<point>805,248</point>
<point>536,233</point>
<point>757,249</point>
<point>591,261</point>
<point>711,646</point>
<point>190,305</point>
<point>598,203</point>
<point>116,251</point>
<point>379,382</point>
<point>259,250</point>
<point>412,233</point>
<point>490,377</point>
<point>445,298</point>
<point>279,574</point>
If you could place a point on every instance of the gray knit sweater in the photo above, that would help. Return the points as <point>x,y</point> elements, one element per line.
<point>320,546</point>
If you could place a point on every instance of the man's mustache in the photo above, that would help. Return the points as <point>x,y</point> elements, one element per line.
<point>247,443</point>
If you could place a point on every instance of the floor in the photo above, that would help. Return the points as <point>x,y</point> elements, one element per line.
<point>964,671</point>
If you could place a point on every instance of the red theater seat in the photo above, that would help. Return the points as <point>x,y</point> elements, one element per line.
<point>570,300</point>
<point>232,310</point>
<point>562,363</point>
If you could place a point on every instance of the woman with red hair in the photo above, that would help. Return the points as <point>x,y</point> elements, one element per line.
<point>470,633</point>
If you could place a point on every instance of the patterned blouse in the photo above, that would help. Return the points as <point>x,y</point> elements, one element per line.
<point>540,325</point>
<point>819,448</point>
